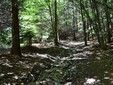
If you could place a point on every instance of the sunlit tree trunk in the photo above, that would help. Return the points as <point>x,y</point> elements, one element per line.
<point>109,35</point>
<point>88,33</point>
<point>74,24</point>
<point>15,50</point>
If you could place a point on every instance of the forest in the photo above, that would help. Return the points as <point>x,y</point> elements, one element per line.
<point>56,42</point>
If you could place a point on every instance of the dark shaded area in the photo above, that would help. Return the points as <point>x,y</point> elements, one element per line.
<point>53,51</point>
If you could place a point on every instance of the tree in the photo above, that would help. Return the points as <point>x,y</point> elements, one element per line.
<point>15,50</point>
<point>98,25</point>
<point>108,22</point>
<point>54,20</point>
<point>56,25</point>
<point>84,25</point>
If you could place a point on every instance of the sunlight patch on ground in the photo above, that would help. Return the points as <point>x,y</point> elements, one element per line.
<point>7,64</point>
<point>42,55</point>
<point>68,83</point>
<point>79,55</point>
<point>98,58</point>
<point>72,43</point>
<point>65,58</point>
<point>36,44</point>
<point>106,72</point>
<point>10,73</point>
<point>78,58</point>
<point>1,75</point>
<point>15,77</point>
<point>65,47</point>
<point>43,45</point>
<point>46,56</point>
<point>24,64</point>
<point>88,52</point>
<point>106,78</point>
<point>74,58</point>
<point>90,81</point>
<point>75,43</point>
<point>79,50</point>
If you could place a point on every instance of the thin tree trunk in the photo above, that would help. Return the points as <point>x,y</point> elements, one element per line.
<point>56,26</point>
<point>85,34</point>
<point>74,22</point>
<point>30,41</point>
<point>88,33</point>
<point>52,21</point>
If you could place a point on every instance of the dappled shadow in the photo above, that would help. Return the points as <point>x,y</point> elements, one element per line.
<point>4,51</point>
<point>53,51</point>
<point>75,65</point>
<point>12,68</point>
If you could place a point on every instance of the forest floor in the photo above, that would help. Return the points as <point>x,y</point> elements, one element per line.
<point>71,63</point>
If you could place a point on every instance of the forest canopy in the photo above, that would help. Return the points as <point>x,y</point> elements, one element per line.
<point>91,17</point>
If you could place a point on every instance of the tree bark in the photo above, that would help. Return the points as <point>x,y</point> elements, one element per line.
<point>74,24</point>
<point>109,35</point>
<point>56,26</point>
<point>99,27</point>
<point>52,21</point>
<point>84,24</point>
<point>15,50</point>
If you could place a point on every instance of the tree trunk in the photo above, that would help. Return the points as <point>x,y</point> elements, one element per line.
<point>56,26</point>
<point>52,21</point>
<point>85,34</point>
<point>30,41</point>
<point>84,24</point>
<point>74,24</point>
<point>15,50</point>
<point>109,35</point>
<point>99,27</point>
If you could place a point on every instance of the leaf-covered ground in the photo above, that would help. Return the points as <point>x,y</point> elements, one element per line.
<point>70,64</point>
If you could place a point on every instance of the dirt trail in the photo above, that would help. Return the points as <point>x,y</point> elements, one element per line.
<point>71,64</point>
